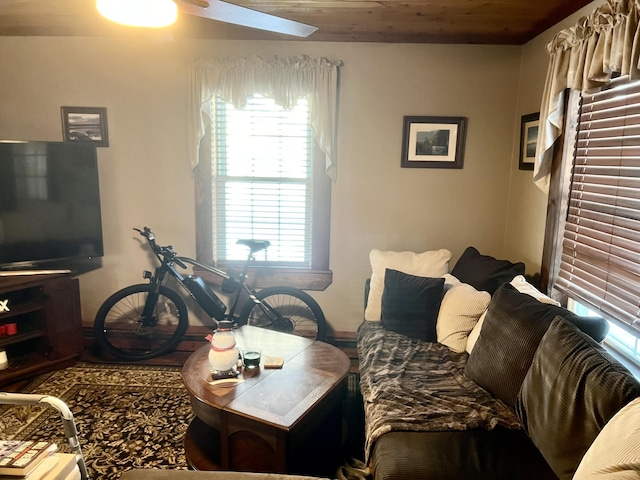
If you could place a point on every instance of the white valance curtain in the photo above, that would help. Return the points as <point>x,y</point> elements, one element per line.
<point>602,45</point>
<point>283,79</point>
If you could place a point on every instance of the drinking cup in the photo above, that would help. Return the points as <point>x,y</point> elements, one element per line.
<point>251,357</point>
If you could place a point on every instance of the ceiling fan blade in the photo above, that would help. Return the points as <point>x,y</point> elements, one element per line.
<point>231,13</point>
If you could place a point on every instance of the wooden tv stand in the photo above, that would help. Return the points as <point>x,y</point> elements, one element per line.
<point>46,311</point>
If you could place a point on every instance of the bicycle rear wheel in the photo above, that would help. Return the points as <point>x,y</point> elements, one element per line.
<point>295,311</point>
<point>121,329</point>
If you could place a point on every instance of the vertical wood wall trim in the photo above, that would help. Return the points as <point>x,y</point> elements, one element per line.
<point>559,187</point>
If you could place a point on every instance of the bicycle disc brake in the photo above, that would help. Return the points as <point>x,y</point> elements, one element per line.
<point>144,326</point>
<point>283,324</point>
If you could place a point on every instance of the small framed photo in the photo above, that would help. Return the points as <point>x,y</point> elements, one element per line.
<point>433,142</point>
<point>528,140</point>
<point>85,124</point>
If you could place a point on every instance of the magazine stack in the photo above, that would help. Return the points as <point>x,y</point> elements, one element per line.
<point>34,460</point>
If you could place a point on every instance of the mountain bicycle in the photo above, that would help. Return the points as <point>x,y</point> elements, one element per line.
<point>147,320</point>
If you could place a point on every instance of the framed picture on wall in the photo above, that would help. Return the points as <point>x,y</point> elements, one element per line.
<point>85,124</point>
<point>433,142</point>
<point>528,140</point>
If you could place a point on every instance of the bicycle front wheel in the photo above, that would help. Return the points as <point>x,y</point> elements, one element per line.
<point>122,330</point>
<point>286,309</point>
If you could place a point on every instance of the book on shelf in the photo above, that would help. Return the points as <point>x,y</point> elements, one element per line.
<point>19,457</point>
<point>59,466</point>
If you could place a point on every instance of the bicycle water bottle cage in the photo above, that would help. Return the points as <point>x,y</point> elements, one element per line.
<point>254,245</point>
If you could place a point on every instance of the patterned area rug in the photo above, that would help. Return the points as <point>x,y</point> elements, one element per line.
<point>127,416</point>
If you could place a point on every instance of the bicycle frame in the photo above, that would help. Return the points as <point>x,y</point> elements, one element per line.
<point>168,259</point>
<point>241,282</point>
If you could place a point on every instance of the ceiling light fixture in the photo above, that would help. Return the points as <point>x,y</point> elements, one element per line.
<point>139,13</point>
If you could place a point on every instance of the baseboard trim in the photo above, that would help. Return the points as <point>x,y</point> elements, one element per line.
<point>194,338</point>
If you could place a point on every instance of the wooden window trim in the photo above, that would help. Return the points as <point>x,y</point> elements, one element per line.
<point>561,164</point>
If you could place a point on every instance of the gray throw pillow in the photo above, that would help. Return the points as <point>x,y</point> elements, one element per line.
<point>512,329</point>
<point>571,391</point>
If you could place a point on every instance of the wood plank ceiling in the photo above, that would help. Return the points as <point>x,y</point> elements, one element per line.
<point>502,22</point>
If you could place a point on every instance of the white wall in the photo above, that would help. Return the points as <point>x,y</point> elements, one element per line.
<point>146,180</point>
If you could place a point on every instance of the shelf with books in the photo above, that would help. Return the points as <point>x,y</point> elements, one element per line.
<point>19,458</point>
<point>58,466</point>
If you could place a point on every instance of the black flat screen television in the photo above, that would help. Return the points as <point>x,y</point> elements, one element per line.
<point>49,204</point>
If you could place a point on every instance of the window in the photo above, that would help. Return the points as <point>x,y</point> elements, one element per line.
<point>624,345</point>
<point>265,180</point>
<point>600,252</point>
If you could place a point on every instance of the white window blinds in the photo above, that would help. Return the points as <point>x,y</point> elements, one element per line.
<point>263,180</point>
<point>600,263</point>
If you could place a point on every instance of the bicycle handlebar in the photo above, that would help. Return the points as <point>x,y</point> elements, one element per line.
<point>159,250</point>
<point>151,238</point>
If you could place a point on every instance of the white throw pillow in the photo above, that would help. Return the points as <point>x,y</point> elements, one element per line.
<point>434,263</point>
<point>615,453</point>
<point>520,283</point>
<point>460,310</point>
<point>475,333</point>
<point>450,281</point>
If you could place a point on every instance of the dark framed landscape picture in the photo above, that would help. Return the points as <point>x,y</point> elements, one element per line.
<point>528,140</point>
<point>433,142</point>
<point>85,124</point>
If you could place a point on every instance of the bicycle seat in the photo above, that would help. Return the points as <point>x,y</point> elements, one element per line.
<point>255,245</point>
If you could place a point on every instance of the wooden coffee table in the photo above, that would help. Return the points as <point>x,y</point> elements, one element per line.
<point>283,420</point>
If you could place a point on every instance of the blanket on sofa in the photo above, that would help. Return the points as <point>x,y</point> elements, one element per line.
<point>412,385</point>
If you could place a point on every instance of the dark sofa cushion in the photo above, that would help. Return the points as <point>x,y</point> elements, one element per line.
<point>510,335</point>
<point>410,304</point>
<point>571,391</point>
<point>484,272</point>
<point>499,454</point>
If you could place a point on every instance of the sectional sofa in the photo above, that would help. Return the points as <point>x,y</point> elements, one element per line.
<point>471,372</point>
